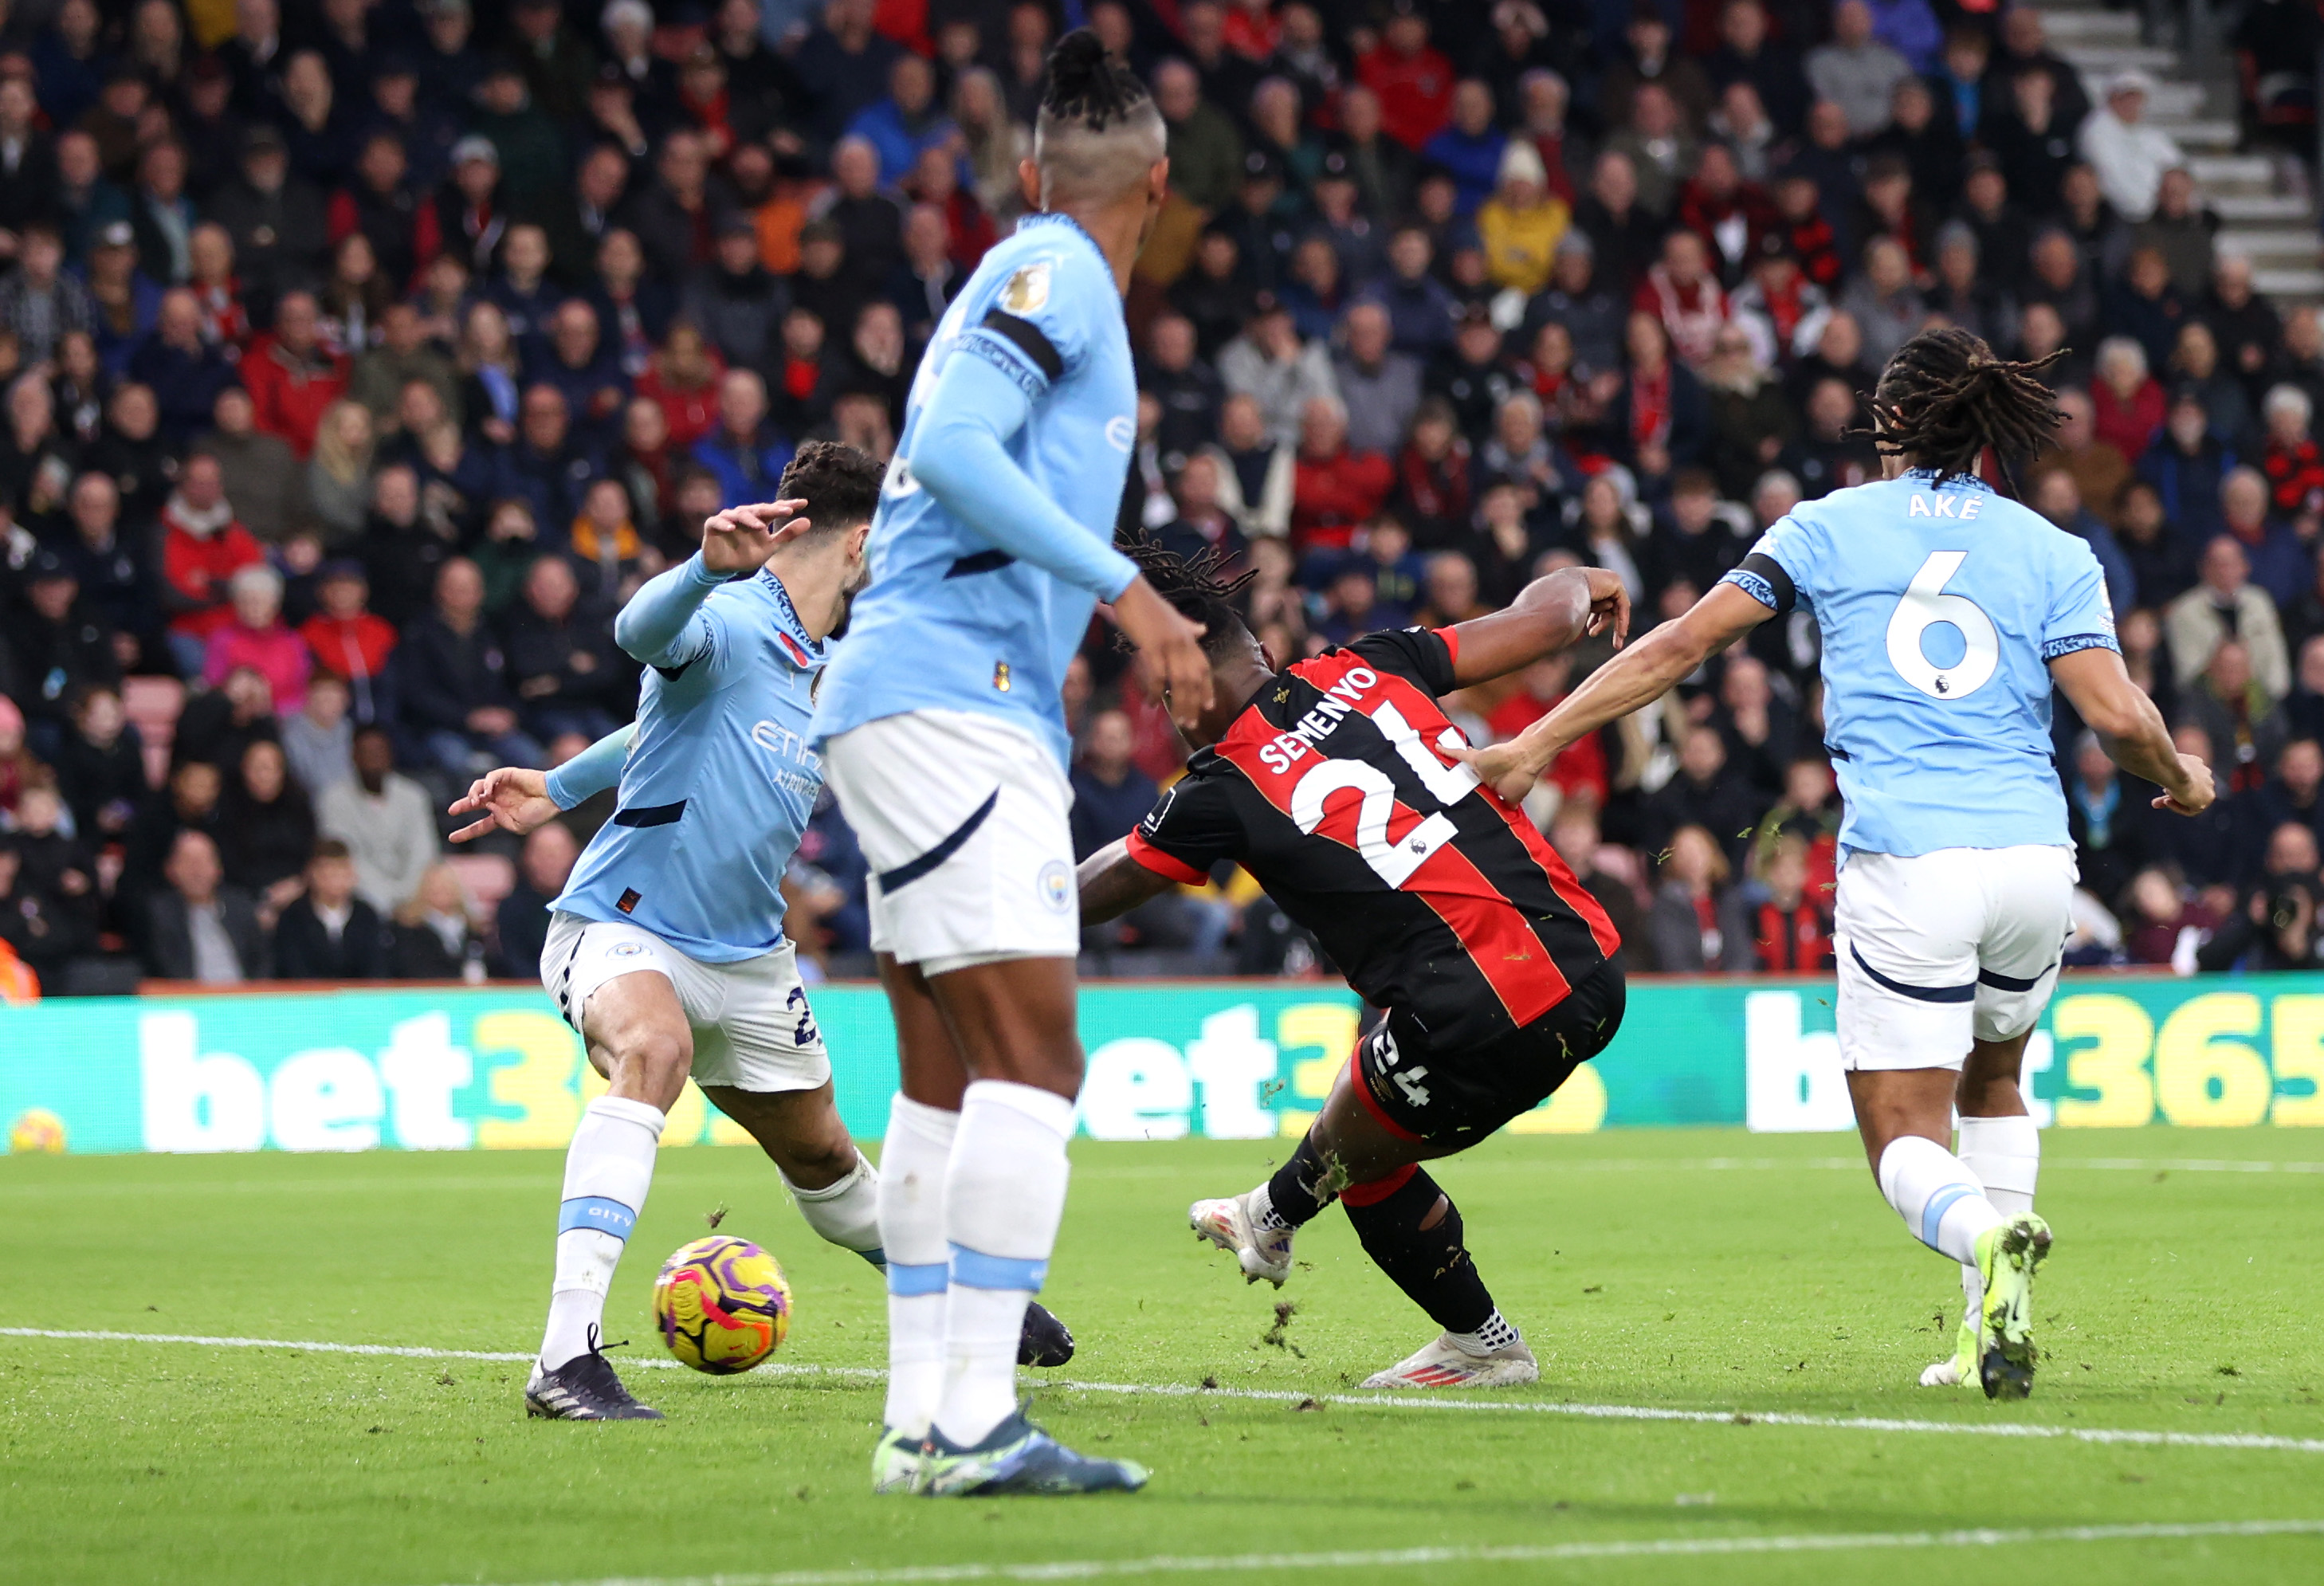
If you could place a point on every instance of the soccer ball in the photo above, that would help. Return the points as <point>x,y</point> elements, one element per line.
<point>722,1304</point>
<point>38,1130</point>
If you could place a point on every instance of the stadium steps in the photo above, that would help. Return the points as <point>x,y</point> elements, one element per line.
<point>2263,202</point>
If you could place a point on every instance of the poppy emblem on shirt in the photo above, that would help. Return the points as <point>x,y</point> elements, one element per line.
<point>799,657</point>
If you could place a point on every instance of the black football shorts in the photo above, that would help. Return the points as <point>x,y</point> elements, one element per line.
<point>1459,1095</point>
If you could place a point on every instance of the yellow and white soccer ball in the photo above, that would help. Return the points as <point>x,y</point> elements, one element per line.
<point>37,1132</point>
<point>722,1304</point>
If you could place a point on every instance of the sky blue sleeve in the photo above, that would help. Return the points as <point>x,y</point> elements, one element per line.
<point>2081,616</point>
<point>1779,571</point>
<point>664,624</point>
<point>592,770</point>
<point>960,455</point>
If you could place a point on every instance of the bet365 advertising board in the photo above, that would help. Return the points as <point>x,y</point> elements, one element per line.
<point>495,1069</point>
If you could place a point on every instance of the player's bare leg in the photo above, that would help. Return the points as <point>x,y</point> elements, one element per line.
<point>836,1188</point>
<point>636,1034</point>
<point>1999,1144</point>
<point>1408,1226</point>
<point>1904,1117</point>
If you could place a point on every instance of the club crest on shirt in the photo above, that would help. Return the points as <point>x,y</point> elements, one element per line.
<point>1056,885</point>
<point>1028,290</point>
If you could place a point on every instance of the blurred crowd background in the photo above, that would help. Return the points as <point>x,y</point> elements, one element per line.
<point>361,357</point>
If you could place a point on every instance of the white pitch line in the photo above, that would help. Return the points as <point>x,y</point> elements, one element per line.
<point>1550,1553</point>
<point>1369,1401</point>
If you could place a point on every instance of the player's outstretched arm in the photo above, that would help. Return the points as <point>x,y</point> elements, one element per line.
<point>1113,883</point>
<point>2132,729</point>
<point>523,801</point>
<point>663,624</point>
<point>1549,614</point>
<point>1640,675</point>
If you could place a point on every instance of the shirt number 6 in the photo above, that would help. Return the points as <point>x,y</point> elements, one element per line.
<point>1925,606</point>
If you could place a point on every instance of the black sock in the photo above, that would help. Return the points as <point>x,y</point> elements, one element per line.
<point>1430,1264</point>
<point>1296,1191</point>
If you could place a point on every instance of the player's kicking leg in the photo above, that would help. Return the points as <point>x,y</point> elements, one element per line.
<point>1408,1226</point>
<point>1941,954</point>
<point>1393,1108</point>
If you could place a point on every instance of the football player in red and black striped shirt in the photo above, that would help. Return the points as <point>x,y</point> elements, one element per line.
<point>1329,782</point>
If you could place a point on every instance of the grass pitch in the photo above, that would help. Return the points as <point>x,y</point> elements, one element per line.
<point>1708,1271</point>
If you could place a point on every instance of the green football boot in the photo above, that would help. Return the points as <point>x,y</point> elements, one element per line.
<point>895,1462</point>
<point>2007,1258</point>
<point>1019,1457</point>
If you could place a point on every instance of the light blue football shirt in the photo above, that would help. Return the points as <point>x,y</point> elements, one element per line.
<point>1940,606</point>
<point>720,779</point>
<point>950,621</point>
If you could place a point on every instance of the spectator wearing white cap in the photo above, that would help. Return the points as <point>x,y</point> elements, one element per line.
<point>1523,222</point>
<point>2128,155</point>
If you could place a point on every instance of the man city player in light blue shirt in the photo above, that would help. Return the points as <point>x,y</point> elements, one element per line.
<point>1948,612</point>
<point>943,734</point>
<point>666,950</point>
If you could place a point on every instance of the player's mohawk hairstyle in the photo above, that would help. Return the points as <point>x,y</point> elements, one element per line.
<point>1199,586</point>
<point>1089,86</point>
<point>1945,397</point>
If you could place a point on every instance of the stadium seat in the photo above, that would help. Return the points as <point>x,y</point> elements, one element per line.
<point>152,705</point>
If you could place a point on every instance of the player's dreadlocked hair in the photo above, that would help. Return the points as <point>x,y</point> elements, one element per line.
<point>1088,85</point>
<point>1099,132</point>
<point>1944,398</point>
<point>1198,587</point>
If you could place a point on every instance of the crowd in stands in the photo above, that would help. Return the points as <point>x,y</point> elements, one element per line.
<point>361,357</point>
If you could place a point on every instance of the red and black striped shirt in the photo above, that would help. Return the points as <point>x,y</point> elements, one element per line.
<point>1428,891</point>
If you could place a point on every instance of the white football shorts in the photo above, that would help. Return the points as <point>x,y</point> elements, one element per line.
<point>752,1028</point>
<point>965,822</point>
<point>1943,948</point>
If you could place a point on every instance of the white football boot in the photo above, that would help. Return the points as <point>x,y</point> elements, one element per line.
<point>1961,1370</point>
<point>1443,1363</point>
<point>1264,1252</point>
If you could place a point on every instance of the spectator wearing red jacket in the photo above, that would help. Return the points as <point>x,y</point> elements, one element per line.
<point>290,377</point>
<point>2127,403</point>
<point>1794,925</point>
<point>2294,469</point>
<point>1333,488</point>
<point>255,637</point>
<point>1412,79</point>
<point>202,549</point>
<point>348,637</point>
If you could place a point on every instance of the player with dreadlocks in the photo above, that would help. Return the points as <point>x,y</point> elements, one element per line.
<point>942,733</point>
<point>1948,612</point>
<point>1331,781</point>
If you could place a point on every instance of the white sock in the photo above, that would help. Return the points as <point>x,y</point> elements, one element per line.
<point>2006,1155</point>
<point>911,1205</point>
<point>847,1212</point>
<point>1941,1201</point>
<point>1498,1333</point>
<point>608,1169</point>
<point>1004,1196</point>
